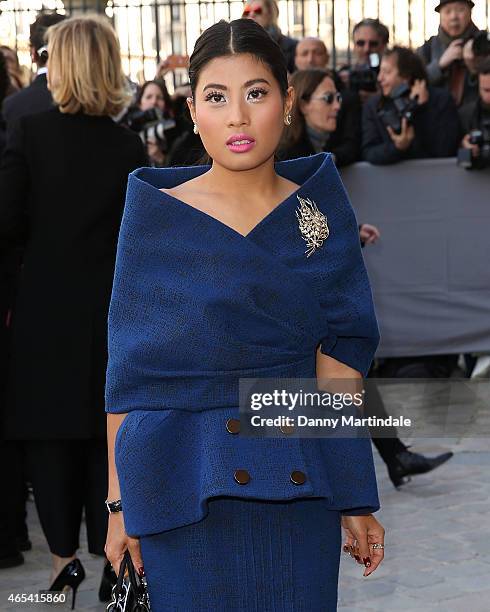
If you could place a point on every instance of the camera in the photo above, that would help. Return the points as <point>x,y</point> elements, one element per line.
<point>481,44</point>
<point>365,78</point>
<point>480,137</point>
<point>402,107</point>
<point>151,124</point>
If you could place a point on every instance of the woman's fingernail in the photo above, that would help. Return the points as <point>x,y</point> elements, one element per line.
<point>357,557</point>
<point>141,571</point>
<point>367,561</point>
<point>346,549</point>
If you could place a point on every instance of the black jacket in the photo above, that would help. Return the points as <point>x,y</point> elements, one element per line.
<point>431,52</point>
<point>63,181</point>
<point>33,99</point>
<point>344,143</point>
<point>437,131</point>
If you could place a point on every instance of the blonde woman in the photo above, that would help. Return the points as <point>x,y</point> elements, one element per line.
<point>63,181</point>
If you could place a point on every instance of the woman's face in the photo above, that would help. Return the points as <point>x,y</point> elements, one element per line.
<point>389,77</point>
<point>152,98</point>
<point>258,11</point>
<point>318,113</point>
<point>239,110</point>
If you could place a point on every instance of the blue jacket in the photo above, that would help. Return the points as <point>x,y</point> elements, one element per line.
<point>195,307</point>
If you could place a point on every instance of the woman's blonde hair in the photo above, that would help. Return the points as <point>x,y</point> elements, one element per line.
<point>84,67</point>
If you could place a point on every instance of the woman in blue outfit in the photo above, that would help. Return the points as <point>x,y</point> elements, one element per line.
<point>217,279</point>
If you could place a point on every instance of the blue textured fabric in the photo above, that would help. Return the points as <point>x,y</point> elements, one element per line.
<point>247,556</point>
<point>195,306</point>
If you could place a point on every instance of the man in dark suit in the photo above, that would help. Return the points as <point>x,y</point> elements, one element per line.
<point>35,98</point>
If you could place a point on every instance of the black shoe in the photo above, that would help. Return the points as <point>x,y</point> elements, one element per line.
<point>407,463</point>
<point>12,559</point>
<point>109,578</point>
<point>71,575</point>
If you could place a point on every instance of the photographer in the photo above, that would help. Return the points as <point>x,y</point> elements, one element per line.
<point>475,121</point>
<point>153,118</point>
<point>408,120</point>
<point>449,54</point>
<point>370,38</point>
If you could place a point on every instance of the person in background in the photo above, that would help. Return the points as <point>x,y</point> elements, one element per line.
<point>36,97</point>
<point>68,227</point>
<point>16,77</point>
<point>311,52</point>
<point>154,94</point>
<point>316,123</point>
<point>14,537</point>
<point>369,36</point>
<point>474,114</point>
<point>266,13</point>
<point>4,87</point>
<point>387,134</point>
<point>444,54</point>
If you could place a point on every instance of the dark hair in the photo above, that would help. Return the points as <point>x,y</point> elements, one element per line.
<point>163,88</point>
<point>304,82</point>
<point>410,65</point>
<point>231,38</point>
<point>39,28</point>
<point>484,66</point>
<point>4,78</point>
<point>380,29</point>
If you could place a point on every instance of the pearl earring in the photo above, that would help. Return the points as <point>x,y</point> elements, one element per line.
<point>196,129</point>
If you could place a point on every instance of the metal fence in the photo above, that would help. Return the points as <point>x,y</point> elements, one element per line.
<point>152,29</point>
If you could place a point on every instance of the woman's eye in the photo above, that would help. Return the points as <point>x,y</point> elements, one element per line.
<point>215,96</point>
<point>257,94</point>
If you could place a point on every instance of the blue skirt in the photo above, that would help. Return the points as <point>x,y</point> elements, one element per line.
<point>247,556</point>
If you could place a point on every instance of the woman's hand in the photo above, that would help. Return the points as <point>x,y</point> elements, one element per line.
<point>360,533</point>
<point>405,138</point>
<point>419,89</point>
<point>368,233</point>
<point>118,541</point>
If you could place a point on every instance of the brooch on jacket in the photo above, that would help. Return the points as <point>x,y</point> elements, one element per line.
<point>312,225</point>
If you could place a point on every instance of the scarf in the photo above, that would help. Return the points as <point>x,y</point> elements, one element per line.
<point>457,70</point>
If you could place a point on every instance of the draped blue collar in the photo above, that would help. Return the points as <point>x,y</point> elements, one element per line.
<point>308,172</point>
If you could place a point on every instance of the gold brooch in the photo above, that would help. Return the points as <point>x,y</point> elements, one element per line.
<point>312,224</point>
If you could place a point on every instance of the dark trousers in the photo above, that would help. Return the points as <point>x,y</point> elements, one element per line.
<point>385,439</point>
<point>69,476</point>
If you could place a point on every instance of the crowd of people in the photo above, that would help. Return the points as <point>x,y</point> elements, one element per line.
<point>59,229</point>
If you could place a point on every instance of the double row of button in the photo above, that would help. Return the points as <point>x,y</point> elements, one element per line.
<point>242,476</point>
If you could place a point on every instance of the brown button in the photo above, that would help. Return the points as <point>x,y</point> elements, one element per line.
<point>286,429</point>
<point>241,476</point>
<point>233,426</point>
<point>298,477</point>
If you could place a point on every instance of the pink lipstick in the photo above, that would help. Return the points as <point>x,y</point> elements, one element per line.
<point>240,143</point>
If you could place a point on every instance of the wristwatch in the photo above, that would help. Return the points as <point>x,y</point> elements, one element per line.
<point>113,506</point>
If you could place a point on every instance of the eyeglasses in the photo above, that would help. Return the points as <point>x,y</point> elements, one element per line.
<point>252,10</point>
<point>372,44</point>
<point>329,97</point>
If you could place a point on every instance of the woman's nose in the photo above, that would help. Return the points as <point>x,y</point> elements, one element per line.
<point>238,114</point>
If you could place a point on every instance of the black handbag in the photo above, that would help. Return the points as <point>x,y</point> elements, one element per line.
<point>130,593</point>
